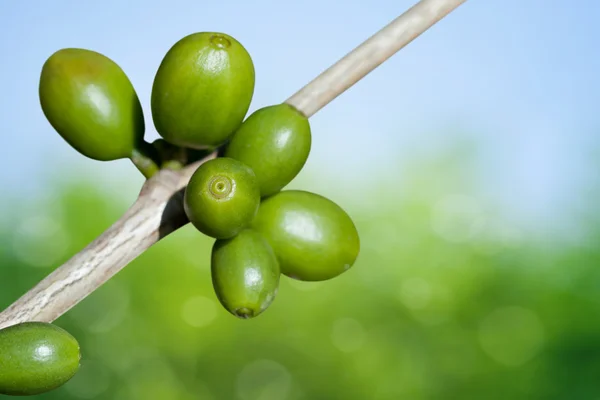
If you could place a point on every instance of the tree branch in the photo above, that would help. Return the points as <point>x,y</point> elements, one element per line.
<point>370,54</point>
<point>156,213</point>
<point>158,210</point>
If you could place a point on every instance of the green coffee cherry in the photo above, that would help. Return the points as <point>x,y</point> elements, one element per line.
<point>245,273</point>
<point>314,239</point>
<point>202,90</point>
<point>275,142</point>
<point>222,197</point>
<point>36,357</point>
<point>91,103</point>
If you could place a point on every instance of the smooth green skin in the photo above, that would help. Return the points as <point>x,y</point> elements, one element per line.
<point>314,238</point>
<point>275,142</point>
<point>245,273</point>
<point>222,197</point>
<point>36,357</point>
<point>91,103</point>
<point>202,90</point>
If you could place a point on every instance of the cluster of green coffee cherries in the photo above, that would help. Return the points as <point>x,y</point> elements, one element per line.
<point>200,97</point>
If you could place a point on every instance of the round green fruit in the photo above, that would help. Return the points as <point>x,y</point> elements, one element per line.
<point>36,357</point>
<point>275,142</point>
<point>222,197</point>
<point>202,90</point>
<point>314,239</point>
<point>245,273</point>
<point>91,103</point>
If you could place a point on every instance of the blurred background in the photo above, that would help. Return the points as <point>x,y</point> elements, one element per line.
<point>469,162</point>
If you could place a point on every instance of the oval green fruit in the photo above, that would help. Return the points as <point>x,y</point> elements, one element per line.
<point>275,142</point>
<point>222,197</point>
<point>91,103</point>
<point>202,90</point>
<point>245,273</point>
<point>36,357</point>
<point>314,239</point>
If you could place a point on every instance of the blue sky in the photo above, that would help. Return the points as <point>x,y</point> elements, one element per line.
<point>519,75</point>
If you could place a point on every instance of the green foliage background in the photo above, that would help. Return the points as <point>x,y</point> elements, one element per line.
<point>446,301</point>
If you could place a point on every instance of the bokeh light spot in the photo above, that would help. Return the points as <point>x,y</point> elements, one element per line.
<point>104,311</point>
<point>511,335</point>
<point>264,380</point>
<point>40,241</point>
<point>347,335</point>
<point>415,293</point>
<point>89,382</point>
<point>457,218</point>
<point>199,311</point>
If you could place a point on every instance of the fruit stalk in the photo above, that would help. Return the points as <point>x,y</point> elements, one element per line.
<point>158,211</point>
<point>146,159</point>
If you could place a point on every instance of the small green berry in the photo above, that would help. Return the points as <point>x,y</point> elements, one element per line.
<point>245,273</point>
<point>36,357</point>
<point>275,142</point>
<point>202,90</point>
<point>91,103</point>
<point>314,239</point>
<point>222,197</point>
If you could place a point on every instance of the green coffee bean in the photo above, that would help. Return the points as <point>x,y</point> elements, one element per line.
<point>275,142</point>
<point>314,239</point>
<point>202,90</point>
<point>91,103</point>
<point>36,357</point>
<point>245,273</point>
<point>222,197</point>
